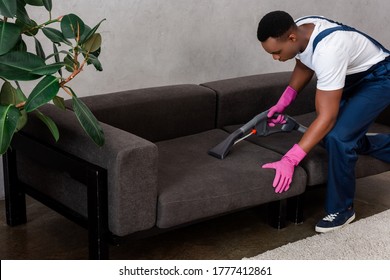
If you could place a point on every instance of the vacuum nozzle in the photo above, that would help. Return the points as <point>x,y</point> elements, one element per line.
<point>259,126</point>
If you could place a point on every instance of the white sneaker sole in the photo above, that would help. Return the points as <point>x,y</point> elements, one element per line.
<point>324,230</point>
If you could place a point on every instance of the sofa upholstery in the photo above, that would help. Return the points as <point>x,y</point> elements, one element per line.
<point>159,174</point>
<point>131,161</point>
<point>239,99</point>
<point>158,113</point>
<point>156,156</point>
<point>239,96</point>
<point>194,185</point>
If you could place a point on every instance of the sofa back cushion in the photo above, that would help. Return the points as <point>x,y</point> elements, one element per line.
<point>158,113</point>
<point>240,99</point>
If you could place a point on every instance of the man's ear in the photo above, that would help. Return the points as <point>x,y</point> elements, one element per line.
<point>292,37</point>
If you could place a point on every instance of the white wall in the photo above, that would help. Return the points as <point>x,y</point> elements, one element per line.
<point>154,42</point>
<point>160,42</point>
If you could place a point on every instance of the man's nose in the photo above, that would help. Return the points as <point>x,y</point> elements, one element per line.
<point>276,56</point>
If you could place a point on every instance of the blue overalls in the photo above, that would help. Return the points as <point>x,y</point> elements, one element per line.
<point>365,96</point>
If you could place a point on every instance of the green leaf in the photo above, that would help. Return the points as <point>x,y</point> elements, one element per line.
<point>9,36</point>
<point>29,29</point>
<point>20,46</point>
<point>88,121</point>
<point>87,30</point>
<point>34,2</point>
<point>44,92</point>
<point>69,63</point>
<point>59,102</point>
<point>95,61</point>
<point>8,8</point>
<point>50,124</point>
<point>39,50</point>
<point>55,35</point>
<point>57,57</point>
<point>19,93</point>
<point>96,53</point>
<point>90,32</point>
<point>21,13</point>
<point>20,97</point>
<point>48,5</point>
<point>10,95</point>
<point>9,117</point>
<point>7,94</point>
<point>93,44</point>
<point>72,26</point>
<point>22,120</point>
<point>56,53</point>
<point>48,69</point>
<point>18,66</point>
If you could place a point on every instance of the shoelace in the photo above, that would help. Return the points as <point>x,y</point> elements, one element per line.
<point>330,217</point>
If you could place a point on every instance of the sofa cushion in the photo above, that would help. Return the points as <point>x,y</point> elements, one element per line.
<point>193,185</point>
<point>241,98</point>
<point>158,113</point>
<point>315,163</point>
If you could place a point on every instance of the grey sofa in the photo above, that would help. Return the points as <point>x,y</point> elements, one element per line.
<point>154,173</point>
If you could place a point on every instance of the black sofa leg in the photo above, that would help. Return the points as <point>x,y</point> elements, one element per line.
<point>15,199</point>
<point>277,213</point>
<point>295,209</point>
<point>281,211</point>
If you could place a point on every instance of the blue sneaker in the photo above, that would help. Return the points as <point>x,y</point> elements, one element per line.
<point>335,221</point>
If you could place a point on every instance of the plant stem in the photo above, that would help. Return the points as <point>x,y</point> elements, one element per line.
<point>20,105</point>
<point>76,71</point>
<point>45,23</point>
<point>66,90</point>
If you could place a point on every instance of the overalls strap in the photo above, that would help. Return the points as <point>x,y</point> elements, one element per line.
<point>340,27</point>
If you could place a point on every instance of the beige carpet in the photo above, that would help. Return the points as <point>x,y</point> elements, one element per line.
<point>365,239</point>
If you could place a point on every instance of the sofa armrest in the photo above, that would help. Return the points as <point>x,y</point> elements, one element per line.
<point>130,161</point>
<point>239,99</point>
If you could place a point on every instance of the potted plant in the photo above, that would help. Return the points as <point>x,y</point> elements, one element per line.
<point>74,46</point>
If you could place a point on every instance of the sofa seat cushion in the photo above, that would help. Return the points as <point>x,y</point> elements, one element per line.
<point>315,163</point>
<point>193,185</point>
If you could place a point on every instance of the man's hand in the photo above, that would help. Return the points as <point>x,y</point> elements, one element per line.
<point>284,173</point>
<point>285,168</point>
<point>285,100</point>
<point>274,121</point>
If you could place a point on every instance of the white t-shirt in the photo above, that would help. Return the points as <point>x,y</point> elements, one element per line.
<point>339,54</point>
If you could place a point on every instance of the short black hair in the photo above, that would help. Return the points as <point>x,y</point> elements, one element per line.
<point>274,25</point>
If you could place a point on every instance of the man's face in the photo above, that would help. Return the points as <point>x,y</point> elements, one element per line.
<point>281,49</point>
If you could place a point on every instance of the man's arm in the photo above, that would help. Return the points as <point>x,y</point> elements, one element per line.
<point>299,79</point>
<point>327,107</point>
<point>301,76</point>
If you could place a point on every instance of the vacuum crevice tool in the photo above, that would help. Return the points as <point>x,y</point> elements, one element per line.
<point>259,126</point>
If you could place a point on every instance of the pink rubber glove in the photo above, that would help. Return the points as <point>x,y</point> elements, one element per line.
<point>285,100</point>
<point>285,168</point>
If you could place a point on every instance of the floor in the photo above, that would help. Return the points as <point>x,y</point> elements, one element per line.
<point>48,235</point>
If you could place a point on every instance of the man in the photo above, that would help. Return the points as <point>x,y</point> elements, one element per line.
<point>353,87</point>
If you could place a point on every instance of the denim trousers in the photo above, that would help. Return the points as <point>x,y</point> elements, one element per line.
<point>360,106</point>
